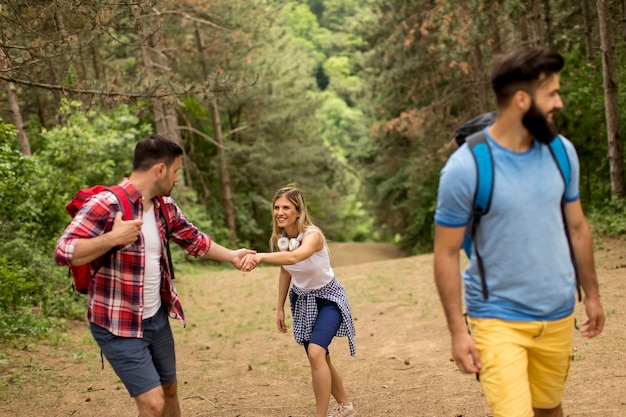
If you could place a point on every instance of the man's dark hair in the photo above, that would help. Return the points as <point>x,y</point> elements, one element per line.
<point>523,69</point>
<point>155,149</point>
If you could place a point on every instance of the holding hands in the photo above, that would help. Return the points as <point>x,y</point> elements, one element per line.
<point>250,261</point>
<point>241,260</point>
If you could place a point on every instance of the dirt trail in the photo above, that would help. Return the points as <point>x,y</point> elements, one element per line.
<point>233,362</point>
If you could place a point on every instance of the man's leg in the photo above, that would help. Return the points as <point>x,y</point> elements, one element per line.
<point>553,412</point>
<point>164,358</point>
<point>503,377</point>
<point>172,405</point>
<point>159,402</point>
<point>549,361</point>
<point>146,366</point>
<point>151,403</point>
<point>131,360</point>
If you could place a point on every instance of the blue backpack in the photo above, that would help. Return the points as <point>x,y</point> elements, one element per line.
<point>472,133</point>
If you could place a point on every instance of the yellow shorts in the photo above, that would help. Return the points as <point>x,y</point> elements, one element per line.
<point>524,364</point>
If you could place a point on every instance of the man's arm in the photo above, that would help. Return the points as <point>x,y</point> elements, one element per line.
<point>123,233</point>
<point>582,243</point>
<point>448,279</point>
<point>220,253</point>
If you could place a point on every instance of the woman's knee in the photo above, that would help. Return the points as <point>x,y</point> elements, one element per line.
<point>316,354</point>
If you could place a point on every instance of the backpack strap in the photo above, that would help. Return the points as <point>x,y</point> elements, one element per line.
<point>168,233</point>
<point>127,214</point>
<point>557,150</point>
<point>482,197</point>
<point>124,200</point>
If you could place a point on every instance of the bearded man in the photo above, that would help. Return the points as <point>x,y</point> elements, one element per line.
<point>520,337</point>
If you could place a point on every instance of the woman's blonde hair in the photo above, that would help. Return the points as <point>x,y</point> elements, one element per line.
<point>304,221</point>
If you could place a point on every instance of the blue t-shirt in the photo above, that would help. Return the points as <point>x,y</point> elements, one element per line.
<point>521,239</point>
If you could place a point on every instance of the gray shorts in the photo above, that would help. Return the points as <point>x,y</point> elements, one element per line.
<point>141,364</point>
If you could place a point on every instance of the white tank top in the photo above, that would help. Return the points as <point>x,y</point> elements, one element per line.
<point>315,271</point>
<point>152,266</point>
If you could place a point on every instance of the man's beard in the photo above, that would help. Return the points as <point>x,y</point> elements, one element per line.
<point>164,189</point>
<point>538,125</point>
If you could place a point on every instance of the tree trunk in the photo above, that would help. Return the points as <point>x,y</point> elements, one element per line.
<point>160,119</point>
<point>610,86</point>
<point>536,23</point>
<point>624,20</point>
<point>95,62</point>
<point>481,88</point>
<point>14,107</point>
<point>169,109</point>
<point>224,176</point>
<point>493,23</point>
<point>227,197</point>
<point>547,18</point>
<point>22,139</point>
<point>588,31</point>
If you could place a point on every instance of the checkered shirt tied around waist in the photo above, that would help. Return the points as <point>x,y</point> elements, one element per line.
<point>304,311</point>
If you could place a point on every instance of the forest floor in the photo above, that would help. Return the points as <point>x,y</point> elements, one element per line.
<point>232,361</point>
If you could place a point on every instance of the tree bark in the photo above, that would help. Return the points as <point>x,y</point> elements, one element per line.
<point>588,30</point>
<point>547,18</point>
<point>160,122</point>
<point>14,107</point>
<point>225,187</point>
<point>481,88</point>
<point>493,22</point>
<point>169,109</point>
<point>537,29</point>
<point>624,20</point>
<point>610,86</point>
<point>223,167</point>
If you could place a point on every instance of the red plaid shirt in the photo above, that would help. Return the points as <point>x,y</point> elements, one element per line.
<point>116,294</point>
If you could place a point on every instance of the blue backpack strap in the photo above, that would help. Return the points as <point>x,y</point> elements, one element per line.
<point>484,171</point>
<point>559,154</point>
<point>560,157</point>
<point>482,197</point>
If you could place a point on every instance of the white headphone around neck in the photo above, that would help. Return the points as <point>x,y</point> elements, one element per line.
<point>286,244</point>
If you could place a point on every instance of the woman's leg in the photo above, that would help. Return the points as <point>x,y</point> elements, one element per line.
<point>322,372</point>
<point>337,389</point>
<point>322,379</point>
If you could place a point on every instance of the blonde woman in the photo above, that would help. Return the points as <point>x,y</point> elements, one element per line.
<point>319,304</point>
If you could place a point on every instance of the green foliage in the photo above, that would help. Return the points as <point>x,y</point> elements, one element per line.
<point>609,219</point>
<point>87,149</point>
<point>582,121</point>
<point>18,286</point>
<point>90,147</point>
<point>282,131</point>
<point>23,229</point>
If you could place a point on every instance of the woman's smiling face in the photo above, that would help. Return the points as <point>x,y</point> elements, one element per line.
<point>285,213</point>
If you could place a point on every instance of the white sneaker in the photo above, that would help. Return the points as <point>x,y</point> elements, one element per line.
<point>343,410</point>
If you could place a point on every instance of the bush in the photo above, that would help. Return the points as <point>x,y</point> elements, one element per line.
<point>88,149</point>
<point>610,218</point>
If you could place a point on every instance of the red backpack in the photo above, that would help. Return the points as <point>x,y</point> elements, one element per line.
<point>82,274</point>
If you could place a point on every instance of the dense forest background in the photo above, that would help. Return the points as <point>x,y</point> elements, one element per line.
<point>357,101</point>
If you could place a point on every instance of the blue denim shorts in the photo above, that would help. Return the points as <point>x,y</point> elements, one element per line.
<point>141,363</point>
<point>326,325</point>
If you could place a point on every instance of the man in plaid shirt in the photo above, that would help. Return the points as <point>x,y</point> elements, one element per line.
<point>132,294</point>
